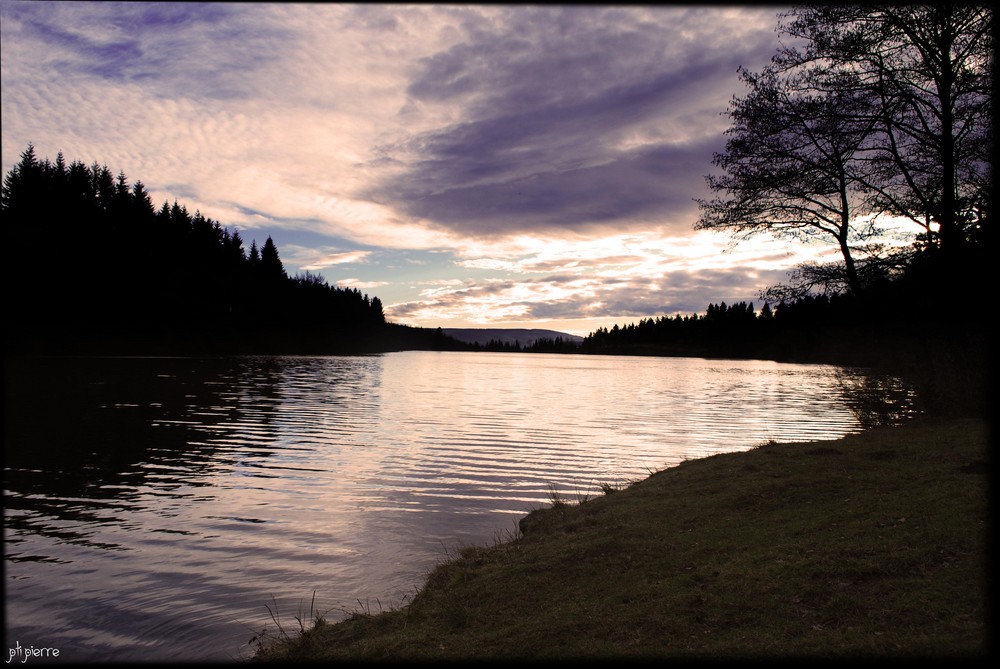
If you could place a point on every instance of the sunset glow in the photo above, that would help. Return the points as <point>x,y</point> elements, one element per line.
<point>472,166</point>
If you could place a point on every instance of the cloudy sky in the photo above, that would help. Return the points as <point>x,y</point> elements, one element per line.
<point>472,166</point>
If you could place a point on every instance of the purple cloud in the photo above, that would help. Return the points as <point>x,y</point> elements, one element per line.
<point>547,119</point>
<point>170,43</point>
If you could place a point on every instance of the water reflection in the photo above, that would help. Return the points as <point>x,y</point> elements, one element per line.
<point>877,400</point>
<point>86,439</point>
<point>153,507</point>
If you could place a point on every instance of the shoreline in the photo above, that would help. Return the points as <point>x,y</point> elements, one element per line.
<point>864,545</point>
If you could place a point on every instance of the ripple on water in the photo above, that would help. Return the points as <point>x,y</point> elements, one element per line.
<point>216,492</point>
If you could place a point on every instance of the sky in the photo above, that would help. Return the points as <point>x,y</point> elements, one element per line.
<point>470,165</point>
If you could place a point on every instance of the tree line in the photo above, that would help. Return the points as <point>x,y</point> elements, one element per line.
<point>555,344</point>
<point>91,262</point>
<point>789,331</point>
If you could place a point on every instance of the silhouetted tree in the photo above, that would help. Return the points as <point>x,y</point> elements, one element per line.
<point>22,183</point>
<point>794,165</point>
<point>270,263</point>
<point>926,74</point>
<point>378,315</point>
<point>254,257</point>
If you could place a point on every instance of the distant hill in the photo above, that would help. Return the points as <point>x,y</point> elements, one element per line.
<point>523,337</point>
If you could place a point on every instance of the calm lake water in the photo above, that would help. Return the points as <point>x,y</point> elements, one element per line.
<point>159,509</point>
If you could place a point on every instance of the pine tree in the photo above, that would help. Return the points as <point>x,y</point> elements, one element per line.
<point>270,263</point>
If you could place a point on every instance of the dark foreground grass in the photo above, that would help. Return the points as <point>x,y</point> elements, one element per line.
<point>872,545</point>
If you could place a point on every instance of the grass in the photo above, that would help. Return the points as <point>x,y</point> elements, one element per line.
<point>870,546</point>
<point>264,639</point>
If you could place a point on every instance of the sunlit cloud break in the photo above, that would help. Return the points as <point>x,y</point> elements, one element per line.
<point>316,259</point>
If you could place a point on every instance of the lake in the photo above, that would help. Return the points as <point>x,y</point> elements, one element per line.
<point>164,509</point>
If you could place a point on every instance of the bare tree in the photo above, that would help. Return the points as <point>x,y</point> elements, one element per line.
<point>927,70</point>
<point>793,166</point>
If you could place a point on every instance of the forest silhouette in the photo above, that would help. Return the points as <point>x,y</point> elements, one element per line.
<point>94,266</point>
<point>925,319</point>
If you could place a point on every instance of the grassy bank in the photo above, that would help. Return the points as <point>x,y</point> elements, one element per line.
<point>872,545</point>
